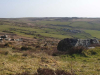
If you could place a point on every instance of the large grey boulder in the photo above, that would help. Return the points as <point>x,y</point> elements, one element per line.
<point>68,43</point>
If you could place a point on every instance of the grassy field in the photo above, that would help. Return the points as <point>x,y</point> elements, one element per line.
<point>77,24</point>
<point>51,33</point>
<point>89,27</point>
<point>17,62</point>
<point>84,25</point>
<point>52,28</point>
<point>53,22</point>
<point>94,33</point>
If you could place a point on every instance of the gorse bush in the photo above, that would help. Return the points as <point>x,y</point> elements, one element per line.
<point>95,45</point>
<point>89,52</point>
<point>2,46</point>
<point>76,50</point>
<point>27,53</point>
<point>47,71</point>
<point>9,44</point>
<point>24,73</point>
<point>17,48</point>
<point>26,48</point>
<point>4,52</point>
<point>57,53</point>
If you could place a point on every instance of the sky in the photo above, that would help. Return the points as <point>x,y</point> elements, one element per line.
<point>49,8</point>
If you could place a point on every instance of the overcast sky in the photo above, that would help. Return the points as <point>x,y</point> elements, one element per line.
<point>49,8</point>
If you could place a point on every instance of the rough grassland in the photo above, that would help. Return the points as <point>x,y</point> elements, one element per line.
<point>17,62</point>
<point>13,61</point>
<point>54,29</point>
<point>94,33</point>
<point>77,24</point>
<point>38,31</point>
<point>53,22</point>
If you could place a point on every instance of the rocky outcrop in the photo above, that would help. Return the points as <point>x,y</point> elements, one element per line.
<point>68,43</point>
<point>3,37</point>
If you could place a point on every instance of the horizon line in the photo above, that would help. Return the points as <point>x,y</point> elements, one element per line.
<point>48,17</point>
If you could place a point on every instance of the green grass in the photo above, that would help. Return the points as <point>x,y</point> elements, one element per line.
<point>4,27</point>
<point>82,35</point>
<point>56,35</point>
<point>56,32</point>
<point>53,22</point>
<point>81,25</point>
<point>12,62</point>
<point>52,33</point>
<point>88,65</point>
<point>94,33</point>
<point>77,24</point>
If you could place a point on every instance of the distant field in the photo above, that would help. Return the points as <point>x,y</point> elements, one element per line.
<point>39,51</point>
<point>56,35</point>
<point>94,33</point>
<point>53,22</point>
<point>51,27</point>
<point>90,27</point>
<point>78,24</point>
<point>81,25</point>
<point>51,33</point>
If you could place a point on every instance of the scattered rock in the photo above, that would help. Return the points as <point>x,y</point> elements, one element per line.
<point>68,43</point>
<point>3,37</point>
<point>91,47</point>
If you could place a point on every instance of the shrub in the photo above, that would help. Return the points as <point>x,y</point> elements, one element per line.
<point>47,71</point>
<point>62,72</point>
<point>17,48</point>
<point>26,53</point>
<point>95,45</point>
<point>76,50</point>
<point>91,52</point>
<point>4,52</point>
<point>26,48</point>
<point>2,46</point>
<point>57,53</point>
<point>9,44</point>
<point>24,73</point>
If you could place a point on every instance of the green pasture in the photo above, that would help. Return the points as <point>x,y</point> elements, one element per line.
<point>93,33</point>
<point>56,35</point>
<point>87,63</point>
<point>53,22</point>
<point>54,29</point>
<point>51,33</point>
<point>77,24</point>
<point>81,25</point>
